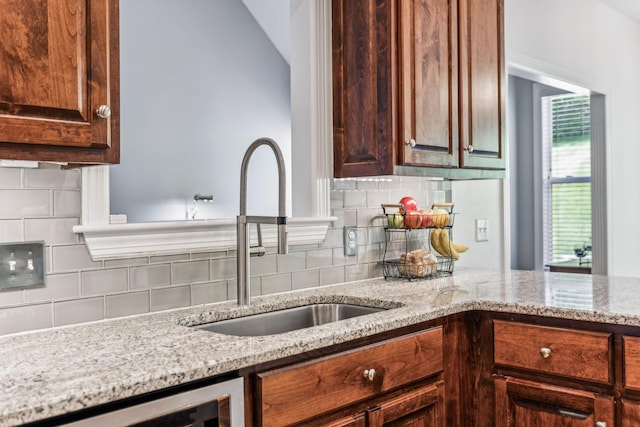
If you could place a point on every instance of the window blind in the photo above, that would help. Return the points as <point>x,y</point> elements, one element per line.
<point>566,162</point>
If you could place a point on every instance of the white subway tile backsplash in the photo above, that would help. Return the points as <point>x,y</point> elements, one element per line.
<point>330,276</point>
<point>44,204</point>
<point>78,311</point>
<point>320,258</point>
<point>293,261</point>
<point>127,262</point>
<point>191,272</point>
<point>108,281</point>
<point>169,258</point>
<point>167,298</point>
<point>11,230</point>
<point>263,265</point>
<point>355,199</point>
<point>11,297</point>
<point>16,204</point>
<point>25,318</point>
<point>55,178</point>
<point>57,287</point>
<point>72,257</point>
<point>127,304</point>
<point>10,178</point>
<point>343,184</point>
<point>223,268</point>
<point>275,283</point>
<point>356,272</point>
<point>376,198</point>
<point>150,276</point>
<point>306,279</point>
<point>205,293</point>
<point>52,230</point>
<point>67,203</point>
<point>334,238</point>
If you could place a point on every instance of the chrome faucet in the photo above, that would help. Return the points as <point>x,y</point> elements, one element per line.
<point>244,249</point>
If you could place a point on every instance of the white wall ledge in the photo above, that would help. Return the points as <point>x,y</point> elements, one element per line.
<point>170,237</point>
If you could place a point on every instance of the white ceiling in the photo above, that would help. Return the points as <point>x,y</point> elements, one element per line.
<point>630,8</point>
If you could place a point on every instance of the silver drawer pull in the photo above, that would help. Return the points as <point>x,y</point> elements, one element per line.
<point>545,352</point>
<point>411,143</point>
<point>601,424</point>
<point>369,374</point>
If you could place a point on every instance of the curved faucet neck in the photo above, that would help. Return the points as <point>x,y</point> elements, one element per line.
<point>281,175</point>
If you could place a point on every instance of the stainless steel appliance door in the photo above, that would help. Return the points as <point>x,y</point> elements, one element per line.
<point>220,404</point>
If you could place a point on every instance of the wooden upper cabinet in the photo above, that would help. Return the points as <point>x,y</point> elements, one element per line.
<point>428,64</point>
<point>418,84</point>
<point>363,33</point>
<point>482,84</point>
<point>58,65</point>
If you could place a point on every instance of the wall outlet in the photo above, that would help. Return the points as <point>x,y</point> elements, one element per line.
<point>482,230</point>
<point>21,264</point>
<point>350,241</point>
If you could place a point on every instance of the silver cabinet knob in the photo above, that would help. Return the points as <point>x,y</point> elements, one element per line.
<point>545,352</point>
<point>601,424</point>
<point>369,374</point>
<point>411,143</point>
<point>103,111</point>
<point>469,148</point>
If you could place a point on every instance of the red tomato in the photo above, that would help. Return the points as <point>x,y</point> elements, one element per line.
<point>409,203</point>
<point>412,219</point>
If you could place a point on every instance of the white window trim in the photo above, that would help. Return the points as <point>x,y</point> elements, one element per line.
<point>106,241</point>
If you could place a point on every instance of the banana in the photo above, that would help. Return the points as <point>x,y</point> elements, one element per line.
<point>459,248</point>
<point>435,240</point>
<point>445,245</point>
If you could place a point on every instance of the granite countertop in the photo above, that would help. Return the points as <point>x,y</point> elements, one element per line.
<point>52,372</point>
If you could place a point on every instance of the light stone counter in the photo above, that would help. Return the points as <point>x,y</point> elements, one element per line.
<point>66,369</point>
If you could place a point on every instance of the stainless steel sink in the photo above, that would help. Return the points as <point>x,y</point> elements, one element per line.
<point>290,319</point>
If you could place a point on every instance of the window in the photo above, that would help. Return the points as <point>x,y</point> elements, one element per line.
<point>566,163</point>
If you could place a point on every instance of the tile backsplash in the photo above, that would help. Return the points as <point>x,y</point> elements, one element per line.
<point>44,204</point>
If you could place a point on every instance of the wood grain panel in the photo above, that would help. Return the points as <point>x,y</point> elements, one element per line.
<point>482,83</point>
<point>428,80</point>
<point>58,63</point>
<point>631,362</point>
<point>574,353</point>
<point>421,407</point>
<point>363,35</point>
<point>521,403</point>
<point>290,395</point>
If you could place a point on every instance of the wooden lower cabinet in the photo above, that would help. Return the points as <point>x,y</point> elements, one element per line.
<point>420,407</point>
<point>630,413</point>
<point>522,403</point>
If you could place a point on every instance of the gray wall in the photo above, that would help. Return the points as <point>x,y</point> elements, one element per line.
<point>198,85</point>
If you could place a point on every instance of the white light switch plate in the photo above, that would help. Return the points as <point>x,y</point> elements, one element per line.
<point>482,230</point>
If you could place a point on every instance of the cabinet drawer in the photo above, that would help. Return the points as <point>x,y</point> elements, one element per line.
<point>567,352</point>
<point>632,362</point>
<point>295,393</point>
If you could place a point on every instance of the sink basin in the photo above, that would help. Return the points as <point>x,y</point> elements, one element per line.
<point>290,319</point>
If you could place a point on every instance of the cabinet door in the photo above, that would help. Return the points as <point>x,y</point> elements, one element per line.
<point>363,34</point>
<point>423,407</point>
<point>522,403</point>
<point>630,413</point>
<point>482,84</point>
<point>428,82</point>
<point>58,66</point>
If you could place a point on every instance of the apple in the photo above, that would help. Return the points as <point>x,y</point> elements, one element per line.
<point>409,203</point>
<point>427,218</point>
<point>412,219</point>
<point>395,220</point>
